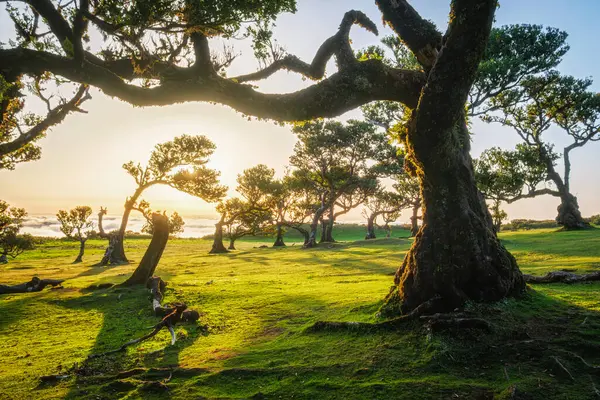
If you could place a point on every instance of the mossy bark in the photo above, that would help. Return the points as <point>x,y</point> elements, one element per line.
<point>154,252</point>
<point>217,246</point>
<point>569,216</point>
<point>81,251</point>
<point>456,256</point>
<point>371,226</point>
<point>279,238</point>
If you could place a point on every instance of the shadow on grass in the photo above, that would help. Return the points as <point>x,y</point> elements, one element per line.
<point>126,315</point>
<point>542,345</point>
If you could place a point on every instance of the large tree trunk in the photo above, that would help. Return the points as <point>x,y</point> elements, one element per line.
<point>218,246</point>
<point>154,252</point>
<point>81,251</point>
<point>414,220</point>
<point>115,241</point>
<point>279,239</point>
<point>232,243</point>
<point>328,234</point>
<point>456,256</point>
<point>569,216</point>
<point>371,226</point>
<point>314,225</point>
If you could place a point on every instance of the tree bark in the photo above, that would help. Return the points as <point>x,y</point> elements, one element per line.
<point>154,252</point>
<point>232,243</point>
<point>279,239</point>
<point>414,220</point>
<point>114,241</point>
<point>35,285</point>
<point>81,251</point>
<point>328,234</point>
<point>312,237</point>
<point>371,226</point>
<point>569,216</point>
<point>218,246</point>
<point>456,256</point>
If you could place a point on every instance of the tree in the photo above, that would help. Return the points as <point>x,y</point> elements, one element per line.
<point>533,107</point>
<point>75,224</point>
<point>136,66</point>
<point>11,242</point>
<point>509,175</point>
<point>333,159</point>
<point>180,164</point>
<point>382,202</point>
<point>247,215</point>
<point>176,223</point>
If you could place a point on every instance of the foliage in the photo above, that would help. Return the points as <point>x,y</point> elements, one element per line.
<point>75,223</point>
<point>514,53</point>
<point>528,224</point>
<point>594,219</point>
<point>11,220</point>
<point>333,159</point>
<point>181,164</point>
<point>176,222</point>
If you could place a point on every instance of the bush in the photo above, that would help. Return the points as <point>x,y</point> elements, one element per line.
<point>526,224</point>
<point>594,219</point>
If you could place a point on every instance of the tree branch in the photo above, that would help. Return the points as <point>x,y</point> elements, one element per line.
<point>337,45</point>
<point>359,84</point>
<point>419,35</point>
<point>54,117</point>
<point>530,194</point>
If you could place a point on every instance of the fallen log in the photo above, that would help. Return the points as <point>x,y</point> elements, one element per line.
<point>562,277</point>
<point>34,285</point>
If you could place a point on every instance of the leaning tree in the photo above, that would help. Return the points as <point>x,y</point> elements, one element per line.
<point>180,164</point>
<point>75,224</point>
<point>158,53</point>
<point>535,106</point>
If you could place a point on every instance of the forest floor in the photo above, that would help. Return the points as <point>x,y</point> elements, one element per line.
<point>256,303</point>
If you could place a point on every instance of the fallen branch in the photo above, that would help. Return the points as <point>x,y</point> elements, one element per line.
<point>172,314</point>
<point>34,285</point>
<point>562,277</point>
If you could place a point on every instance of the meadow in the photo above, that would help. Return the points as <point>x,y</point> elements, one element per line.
<point>256,304</point>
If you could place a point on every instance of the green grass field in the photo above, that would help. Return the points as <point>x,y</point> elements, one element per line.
<point>256,303</point>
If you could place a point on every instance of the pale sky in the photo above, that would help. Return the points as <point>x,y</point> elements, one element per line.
<point>82,157</point>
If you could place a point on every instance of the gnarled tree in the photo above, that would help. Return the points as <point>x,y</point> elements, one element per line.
<point>552,99</point>
<point>510,175</point>
<point>180,164</point>
<point>75,224</point>
<point>456,255</point>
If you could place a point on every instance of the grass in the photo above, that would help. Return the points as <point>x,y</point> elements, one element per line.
<point>256,303</point>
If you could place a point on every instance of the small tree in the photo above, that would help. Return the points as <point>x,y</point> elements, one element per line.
<point>333,158</point>
<point>552,99</point>
<point>180,164</point>
<point>176,223</point>
<point>508,176</point>
<point>75,224</point>
<point>11,242</point>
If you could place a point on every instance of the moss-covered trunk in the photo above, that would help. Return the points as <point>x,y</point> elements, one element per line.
<point>147,266</point>
<point>569,216</point>
<point>456,255</point>
<point>371,226</point>
<point>279,238</point>
<point>81,251</point>
<point>217,246</point>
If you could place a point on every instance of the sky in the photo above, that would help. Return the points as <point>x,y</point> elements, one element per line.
<point>82,157</point>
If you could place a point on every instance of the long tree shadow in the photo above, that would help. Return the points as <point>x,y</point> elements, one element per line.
<point>542,346</point>
<point>127,315</point>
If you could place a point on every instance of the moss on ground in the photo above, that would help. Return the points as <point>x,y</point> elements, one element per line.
<point>256,304</point>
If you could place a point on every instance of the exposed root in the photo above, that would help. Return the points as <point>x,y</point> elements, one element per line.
<point>561,367</point>
<point>34,285</point>
<point>436,321</point>
<point>562,277</point>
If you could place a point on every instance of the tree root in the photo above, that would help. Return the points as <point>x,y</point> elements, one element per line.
<point>562,277</point>
<point>425,313</point>
<point>34,285</point>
